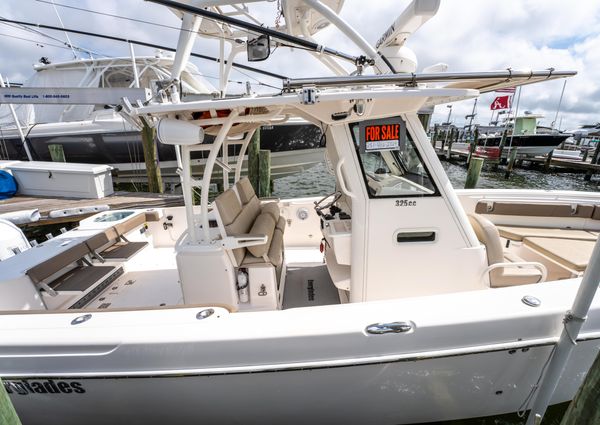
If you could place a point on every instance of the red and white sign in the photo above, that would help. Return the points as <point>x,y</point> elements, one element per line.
<point>501,102</point>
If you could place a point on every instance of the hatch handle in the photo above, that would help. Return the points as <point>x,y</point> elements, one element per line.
<point>389,328</point>
<point>340,177</point>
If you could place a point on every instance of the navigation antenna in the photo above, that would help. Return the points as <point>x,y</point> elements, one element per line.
<point>63,26</point>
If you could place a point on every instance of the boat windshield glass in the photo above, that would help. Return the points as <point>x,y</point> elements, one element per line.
<point>390,162</point>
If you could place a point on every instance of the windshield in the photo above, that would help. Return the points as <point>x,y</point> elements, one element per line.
<point>391,164</point>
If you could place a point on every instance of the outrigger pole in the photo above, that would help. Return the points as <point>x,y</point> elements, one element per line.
<point>142,43</point>
<point>412,79</point>
<point>256,29</point>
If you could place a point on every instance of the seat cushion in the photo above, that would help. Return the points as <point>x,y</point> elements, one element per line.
<point>263,225</point>
<point>245,190</point>
<point>281,224</point>
<point>573,254</point>
<point>519,233</point>
<point>276,248</point>
<point>228,206</point>
<point>271,208</point>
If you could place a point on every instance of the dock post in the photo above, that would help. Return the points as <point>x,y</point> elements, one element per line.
<point>473,145</point>
<point>502,144</point>
<point>253,166</point>
<point>151,159</point>
<point>548,161</point>
<point>8,415</point>
<point>473,172</point>
<point>434,136</point>
<point>264,173</point>
<point>585,155</point>
<point>511,162</point>
<point>590,172</point>
<point>584,407</point>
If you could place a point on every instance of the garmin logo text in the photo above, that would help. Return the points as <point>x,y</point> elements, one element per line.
<point>48,386</point>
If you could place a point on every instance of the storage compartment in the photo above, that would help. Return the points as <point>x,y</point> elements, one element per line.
<point>61,179</point>
<point>338,234</point>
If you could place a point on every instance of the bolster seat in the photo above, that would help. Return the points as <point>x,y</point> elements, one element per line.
<point>488,235</point>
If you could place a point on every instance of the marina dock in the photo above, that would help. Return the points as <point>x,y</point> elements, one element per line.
<point>119,200</point>
<point>560,164</point>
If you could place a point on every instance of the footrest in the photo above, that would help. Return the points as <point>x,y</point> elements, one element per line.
<point>122,251</point>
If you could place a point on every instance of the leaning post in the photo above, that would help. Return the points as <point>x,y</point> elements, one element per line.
<point>8,415</point>
<point>151,159</point>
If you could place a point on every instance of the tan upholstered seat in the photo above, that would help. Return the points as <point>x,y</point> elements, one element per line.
<point>574,254</point>
<point>520,233</point>
<point>247,216</point>
<point>488,235</point>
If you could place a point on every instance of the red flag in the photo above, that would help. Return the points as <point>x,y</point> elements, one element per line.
<point>501,102</point>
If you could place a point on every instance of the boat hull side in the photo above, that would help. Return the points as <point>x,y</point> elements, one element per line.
<point>399,392</point>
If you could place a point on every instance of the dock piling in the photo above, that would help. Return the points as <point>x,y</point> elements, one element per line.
<point>151,159</point>
<point>253,161</point>
<point>473,172</point>
<point>8,415</point>
<point>590,172</point>
<point>264,173</point>
<point>548,161</point>
<point>584,407</point>
<point>511,162</point>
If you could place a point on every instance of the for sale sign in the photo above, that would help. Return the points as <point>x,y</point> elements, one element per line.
<point>382,135</point>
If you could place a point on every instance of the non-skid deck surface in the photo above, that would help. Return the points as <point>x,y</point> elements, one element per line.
<point>309,286</point>
<point>123,251</point>
<point>80,278</point>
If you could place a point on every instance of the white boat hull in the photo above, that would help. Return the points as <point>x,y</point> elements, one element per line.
<point>295,366</point>
<point>402,392</point>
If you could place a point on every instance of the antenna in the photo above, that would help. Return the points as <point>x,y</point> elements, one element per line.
<point>410,20</point>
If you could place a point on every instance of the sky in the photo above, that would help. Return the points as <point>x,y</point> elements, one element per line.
<point>468,35</point>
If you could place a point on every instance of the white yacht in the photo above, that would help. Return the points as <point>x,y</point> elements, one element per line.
<point>394,300</point>
<point>97,134</point>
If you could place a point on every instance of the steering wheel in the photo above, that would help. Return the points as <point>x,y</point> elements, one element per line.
<point>319,206</point>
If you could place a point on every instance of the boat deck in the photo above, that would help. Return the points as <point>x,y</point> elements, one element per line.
<point>119,200</point>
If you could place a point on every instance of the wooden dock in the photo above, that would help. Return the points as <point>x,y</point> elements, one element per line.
<point>119,200</point>
<point>560,164</point>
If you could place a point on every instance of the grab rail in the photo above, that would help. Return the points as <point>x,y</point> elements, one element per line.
<point>340,176</point>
